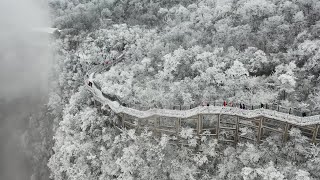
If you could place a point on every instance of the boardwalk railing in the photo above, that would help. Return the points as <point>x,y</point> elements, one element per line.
<point>223,122</point>
<point>274,107</point>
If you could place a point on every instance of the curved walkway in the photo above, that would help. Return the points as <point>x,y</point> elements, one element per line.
<point>257,113</point>
<point>262,121</point>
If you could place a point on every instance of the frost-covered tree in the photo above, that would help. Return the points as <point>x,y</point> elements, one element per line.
<point>182,53</point>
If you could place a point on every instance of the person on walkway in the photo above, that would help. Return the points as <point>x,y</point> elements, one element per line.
<point>261,105</point>
<point>90,83</point>
<point>107,62</point>
<point>243,106</point>
<point>304,114</point>
<point>224,103</point>
<point>240,106</point>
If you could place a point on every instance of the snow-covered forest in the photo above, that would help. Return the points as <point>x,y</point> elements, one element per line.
<point>176,52</point>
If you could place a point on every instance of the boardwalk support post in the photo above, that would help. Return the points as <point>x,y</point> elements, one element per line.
<point>138,127</point>
<point>199,124</point>
<point>199,128</point>
<point>285,134</point>
<point>123,119</point>
<point>218,126</point>
<point>157,126</point>
<point>236,136</point>
<point>315,133</point>
<point>178,125</point>
<point>259,130</point>
<point>95,103</point>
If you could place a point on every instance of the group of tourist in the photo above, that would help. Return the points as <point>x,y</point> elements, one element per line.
<point>241,105</point>
<point>225,103</point>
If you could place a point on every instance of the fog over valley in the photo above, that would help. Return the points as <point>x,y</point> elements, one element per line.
<point>24,65</point>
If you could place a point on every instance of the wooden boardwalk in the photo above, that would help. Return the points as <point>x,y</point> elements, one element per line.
<point>226,124</point>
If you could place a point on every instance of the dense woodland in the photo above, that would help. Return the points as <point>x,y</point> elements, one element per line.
<point>179,52</point>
